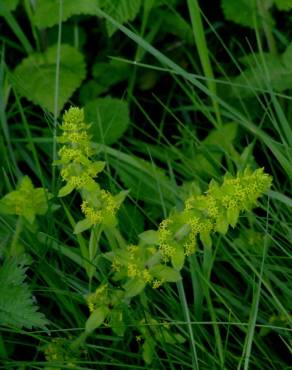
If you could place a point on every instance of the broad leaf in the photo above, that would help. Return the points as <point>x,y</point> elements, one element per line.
<point>96,318</point>
<point>133,287</point>
<point>276,74</point>
<point>121,10</point>
<point>109,117</point>
<point>165,273</point>
<point>35,76</point>
<point>82,225</point>
<point>47,11</point>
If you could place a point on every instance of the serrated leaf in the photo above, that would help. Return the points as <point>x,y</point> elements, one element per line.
<point>121,10</point>
<point>47,11</point>
<point>165,273</point>
<point>35,76</point>
<point>133,287</point>
<point>110,118</point>
<point>17,307</point>
<point>96,318</point>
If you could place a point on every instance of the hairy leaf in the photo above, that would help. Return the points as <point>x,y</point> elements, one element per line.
<point>121,10</point>
<point>47,11</point>
<point>35,76</point>
<point>17,307</point>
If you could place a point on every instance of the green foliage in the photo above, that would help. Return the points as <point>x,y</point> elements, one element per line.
<point>145,180</point>
<point>10,4</point>
<point>159,273</point>
<point>276,73</point>
<point>35,76</point>
<point>26,201</point>
<point>241,12</point>
<point>209,213</point>
<point>109,117</point>
<point>210,153</point>
<point>17,307</point>
<point>47,11</point>
<point>121,10</point>
<point>283,4</point>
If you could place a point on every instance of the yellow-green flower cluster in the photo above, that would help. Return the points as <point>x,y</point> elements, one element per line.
<point>58,351</point>
<point>105,210</point>
<point>212,212</point>
<point>106,297</point>
<point>133,263</point>
<point>27,201</point>
<point>98,298</point>
<point>78,170</point>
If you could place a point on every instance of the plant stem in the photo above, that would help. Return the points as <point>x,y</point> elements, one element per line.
<point>265,15</point>
<point>184,304</point>
<point>18,229</point>
<point>207,268</point>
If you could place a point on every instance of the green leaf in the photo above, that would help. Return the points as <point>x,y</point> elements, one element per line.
<point>148,351</point>
<point>240,11</point>
<point>218,142</point>
<point>82,225</point>
<point>178,258</point>
<point>276,74</point>
<point>149,237</point>
<point>65,190</point>
<point>10,4</point>
<point>146,181</point>
<point>96,318</point>
<point>109,117</point>
<point>206,239</point>
<point>27,201</point>
<point>283,4</point>
<point>108,74</point>
<point>133,287</point>
<point>47,11</point>
<point>222,224</point>
<point>17,307</point>
<point>131,221</point>
<point>116,322</point>
<point>121,10</point>
<point>35,76</point>
<point>174,23</point>
<point>232,216</point>
<point>165,273</point>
